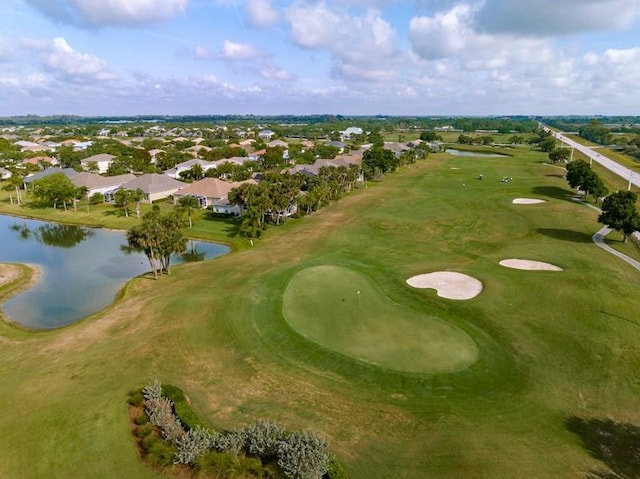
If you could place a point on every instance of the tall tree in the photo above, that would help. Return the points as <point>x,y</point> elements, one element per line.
<point>122,198</point>
<point>188,204</point>
<point>558,155</point>
<point>619,213</point>
<point>54,189</point>
<point>158,237</point>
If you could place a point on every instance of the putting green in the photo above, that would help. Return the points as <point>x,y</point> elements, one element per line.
<point>344,311</point>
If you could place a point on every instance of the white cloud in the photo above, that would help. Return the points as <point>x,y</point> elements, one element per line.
<point>442,35</point>
<point>362,47</point>
<point>270,71</point>
<point>59,58</point>
<point>237,51</point>
<point>92,13</point>
<point>261,13</point>
<point>201,52</point>
<point>553,17</point>
<point>312,26</point>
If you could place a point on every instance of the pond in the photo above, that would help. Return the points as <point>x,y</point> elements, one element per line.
<point>455,152</point>
<point>82,269</point>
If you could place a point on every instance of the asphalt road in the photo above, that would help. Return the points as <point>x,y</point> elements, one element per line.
<point>622,171</point>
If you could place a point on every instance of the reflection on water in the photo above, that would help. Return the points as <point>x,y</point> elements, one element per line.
<point>192,254</point>
<point>82,269</point>
<point>53,234</point>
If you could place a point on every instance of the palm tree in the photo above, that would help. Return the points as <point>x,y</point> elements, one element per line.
<point>14,182</point>
<point>123,198</point>
<point>188,203</point>
<point>139,238</point>
<point>137,196</point>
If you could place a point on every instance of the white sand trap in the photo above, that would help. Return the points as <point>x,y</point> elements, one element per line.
<point>527,201</point>
<point>529,265</point>
<point>454,168</point>
<point>448,284</point>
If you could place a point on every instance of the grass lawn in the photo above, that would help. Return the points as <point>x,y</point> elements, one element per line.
<point>344,311</point>
<point>553,349</point>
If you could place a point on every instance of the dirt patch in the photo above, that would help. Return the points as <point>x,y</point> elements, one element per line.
<point>529,265</point>
<point>12,272</point>
<point>528,201</point>
<point>448,284</point>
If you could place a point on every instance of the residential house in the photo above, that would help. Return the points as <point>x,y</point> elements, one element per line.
<point>187,165</point>
<point>256,155</point>
<point>100,184</point>
<point>26,144</point>
<point>102,162</point>
<point>396,148</point>
<point>266,134</point>
<point>276,143</point>
<point>196,150</point>
<point>68,172</point>
<point>155,186</point>
<point>206,190</point>
<point>4,173</point>
<point>41,161</point>
<point>82,145</point>
<point>352,130</point>
<point>154,155</point>
<point>336,144</point>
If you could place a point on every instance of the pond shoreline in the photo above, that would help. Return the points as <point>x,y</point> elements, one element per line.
<point>17,277</point>
<point>80,270</point>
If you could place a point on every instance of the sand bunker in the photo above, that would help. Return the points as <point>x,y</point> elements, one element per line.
<point>527,201</point>
<point>448,284</point>
<point>529,265</point>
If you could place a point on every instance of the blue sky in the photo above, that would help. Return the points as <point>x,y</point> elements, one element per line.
<point>351,57</point>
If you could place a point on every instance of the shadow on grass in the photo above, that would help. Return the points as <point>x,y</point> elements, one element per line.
<point>232,225</point>
<point>566,235</point>
<point>553,192</point>
<point>615,444</point>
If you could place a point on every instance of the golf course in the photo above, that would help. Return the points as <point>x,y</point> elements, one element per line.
<point>325,324</point>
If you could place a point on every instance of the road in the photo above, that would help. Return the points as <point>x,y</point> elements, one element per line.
<point>622,171</point>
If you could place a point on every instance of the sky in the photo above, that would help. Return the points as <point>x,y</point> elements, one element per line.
<point>348,57</point>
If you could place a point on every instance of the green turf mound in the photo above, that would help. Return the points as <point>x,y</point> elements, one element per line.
<point>344,311</point>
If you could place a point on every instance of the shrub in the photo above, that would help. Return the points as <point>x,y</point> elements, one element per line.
<point>221,464</point>
<point>192,445</point>
<point>160,453</point>
<point>231,442</point>
<point>135,398</point>
<point>149,441</point>
<point>335,470</point>
<point>141,419</point>
<point>262,438</point>
<point>160,412</point>
<point>182,408</point>
<point>144,430</point>
<point>152,391</point>
<point>96,199</point>
<point>303,455</point>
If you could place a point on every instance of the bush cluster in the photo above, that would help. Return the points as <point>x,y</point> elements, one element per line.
<point>261,449</point>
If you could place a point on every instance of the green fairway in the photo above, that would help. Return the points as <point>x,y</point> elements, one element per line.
<point>534,360</point>
<point>343,310</point>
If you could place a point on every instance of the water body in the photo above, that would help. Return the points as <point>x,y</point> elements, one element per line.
<point>455,152</point>
<point>82,269</point>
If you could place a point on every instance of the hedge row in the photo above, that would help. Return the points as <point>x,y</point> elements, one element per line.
<point>261,449</point>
